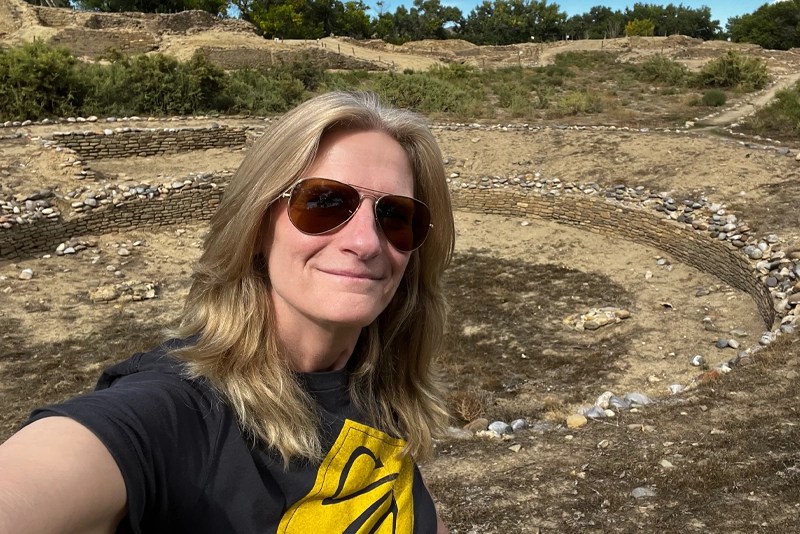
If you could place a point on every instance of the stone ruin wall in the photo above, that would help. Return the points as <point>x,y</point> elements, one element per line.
<point>197,199</point>
<point>129,142</point>
<point>197,203</point>
<point>641,226</point>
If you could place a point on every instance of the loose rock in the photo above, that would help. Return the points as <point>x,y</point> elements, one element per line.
<point>576,421</point>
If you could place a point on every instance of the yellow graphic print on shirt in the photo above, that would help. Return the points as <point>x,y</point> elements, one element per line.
<point>363,486</point>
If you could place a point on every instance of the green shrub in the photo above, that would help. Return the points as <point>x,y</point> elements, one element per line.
<point>781,117</point>
<point>584,60</point>
<point>256,92</point>
<point>626,79</point>
<point>544,96</point>
<point>734,70</point>
<point>455,71</point>
<point>154,84</point>
<point>424,92</point>
<point>660,68</point>
<point>38,81</point>
<point>302,68</point>
<point>345,80</point>
<point>554,75</point>
<point>516,100</point>
<point>576,102</point>
<point>714,98</point>
<point>106,90</point>
<point>506,92</point>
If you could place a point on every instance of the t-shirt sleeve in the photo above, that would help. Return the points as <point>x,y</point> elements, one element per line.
<point>159,429</point>
<point>425,519</point>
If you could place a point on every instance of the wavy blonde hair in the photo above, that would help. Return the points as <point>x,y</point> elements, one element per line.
<point>228,313</point>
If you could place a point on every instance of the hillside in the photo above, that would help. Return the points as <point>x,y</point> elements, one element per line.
<point>234,43</point>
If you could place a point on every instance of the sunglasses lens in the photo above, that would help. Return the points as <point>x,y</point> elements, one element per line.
<point>405,221</point>
<point>317,206</point>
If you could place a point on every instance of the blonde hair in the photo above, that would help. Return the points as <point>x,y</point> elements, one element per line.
<point>228,313</point>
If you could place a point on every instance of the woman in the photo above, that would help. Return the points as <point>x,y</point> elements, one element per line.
<point>297,393</point>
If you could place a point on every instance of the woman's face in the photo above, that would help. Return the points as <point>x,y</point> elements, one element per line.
<point>346,277</point>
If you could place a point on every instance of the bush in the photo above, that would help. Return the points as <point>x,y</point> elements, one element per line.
<point>252,91</point>
<point>106,90</point>
<point>155,84</point>
<point>584,60</point>
<point>544,96</point>
<point>660,68</point>
<point>38,81</point>
<point>714,98</point>
<point>425,93</point>
<point>456,72</point>
<point>513,98</point>
<point>348,80</point>
<point>734,70</point>
<point>302,68</point>
<point>160,84</point>
<point>780,118</point>
<point>578,102</point>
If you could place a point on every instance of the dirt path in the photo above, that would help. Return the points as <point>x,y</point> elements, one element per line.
<point>752,104</point>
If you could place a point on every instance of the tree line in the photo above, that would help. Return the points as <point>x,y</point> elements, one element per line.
<point>492,22</point>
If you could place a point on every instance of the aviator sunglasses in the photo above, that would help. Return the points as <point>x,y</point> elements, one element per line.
<point>320,205</point>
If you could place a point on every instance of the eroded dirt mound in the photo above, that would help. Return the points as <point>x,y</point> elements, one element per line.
<point>92,34</point>
<point>233,44</point>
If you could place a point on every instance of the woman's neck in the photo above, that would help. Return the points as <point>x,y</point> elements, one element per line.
<point>314,348</point>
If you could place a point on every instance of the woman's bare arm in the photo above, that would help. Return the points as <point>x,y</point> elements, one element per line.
<point>57,476</point>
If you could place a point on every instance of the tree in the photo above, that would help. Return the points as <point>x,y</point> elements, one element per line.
<point>599,22</point>
<point>432,18</point>
<point>640,27</point>
<point>774,26</point>
<point>427,19</point>
<point>577,26</point>
<point>514,21</point>
<point>351,19</point>
<point>672,20</point>
<point>307,19</point>
<point>288,19</point>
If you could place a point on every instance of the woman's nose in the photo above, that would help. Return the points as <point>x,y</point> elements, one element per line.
<point>361,234</point>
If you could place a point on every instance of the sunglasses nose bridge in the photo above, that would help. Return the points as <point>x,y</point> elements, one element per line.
<point>374,210</point>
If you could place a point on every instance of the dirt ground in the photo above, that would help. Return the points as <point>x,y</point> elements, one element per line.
<point>719,457</point>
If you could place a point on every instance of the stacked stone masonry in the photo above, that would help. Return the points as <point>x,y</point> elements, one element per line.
<point>45,234</point>
<point>198,200</point>
<point>127,142</point>
<point>634,224</point>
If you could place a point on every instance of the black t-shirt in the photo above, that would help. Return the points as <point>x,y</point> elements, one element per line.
<point>188,468</point>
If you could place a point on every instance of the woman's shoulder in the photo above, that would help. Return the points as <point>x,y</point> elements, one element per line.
<point>156,366</point>
<point>150,393</point>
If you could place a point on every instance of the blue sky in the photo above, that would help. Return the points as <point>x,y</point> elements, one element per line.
<point>721,10</point>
